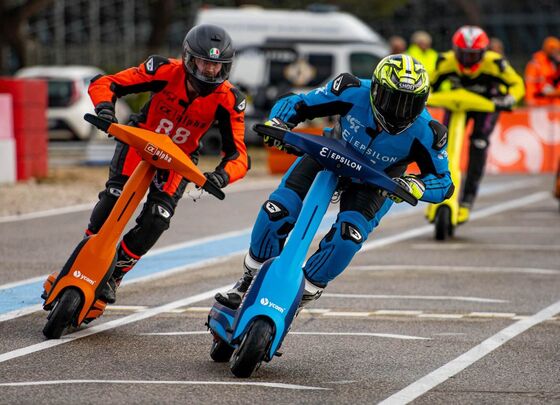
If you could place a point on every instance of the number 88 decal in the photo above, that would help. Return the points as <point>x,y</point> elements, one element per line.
<point>181,134</point>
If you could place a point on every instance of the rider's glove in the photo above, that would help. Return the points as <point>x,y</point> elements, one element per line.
<point>504,103</point>
<point>409,182</point>
<point>106,111</point>
<point>219,177</point>
<point>275,143</point>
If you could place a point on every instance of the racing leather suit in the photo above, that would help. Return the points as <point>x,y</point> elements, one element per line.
<point>185,120</point>
<point>361,206</point>
<point>492,77</point>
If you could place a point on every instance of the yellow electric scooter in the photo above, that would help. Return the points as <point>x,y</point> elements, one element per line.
<point>459,102</point>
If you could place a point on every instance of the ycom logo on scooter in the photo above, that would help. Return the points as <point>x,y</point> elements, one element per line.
<point>78,274</point>
<point>267,303</point>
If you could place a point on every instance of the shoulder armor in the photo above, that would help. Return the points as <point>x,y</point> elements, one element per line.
<point>440,134</point>
<point>502,64</point>
<point>153,63</point>
<point>240,101</point>
<point>344,81</point>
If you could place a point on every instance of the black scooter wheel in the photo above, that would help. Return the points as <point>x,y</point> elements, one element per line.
<point>252,350</point>
<point>220,351</point>
<point>62,314</point>
<point>443,226</point>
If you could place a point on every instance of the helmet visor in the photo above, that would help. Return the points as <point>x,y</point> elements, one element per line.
<point>207,70</point>
<point>469,57</point>
<point>398,109</point>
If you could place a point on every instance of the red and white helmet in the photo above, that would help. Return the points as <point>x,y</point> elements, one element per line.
<point>470,43</point>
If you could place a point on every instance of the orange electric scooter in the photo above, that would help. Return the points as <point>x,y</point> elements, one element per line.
<point>71,296</point>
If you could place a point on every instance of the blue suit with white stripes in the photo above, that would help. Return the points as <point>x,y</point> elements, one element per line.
<point>361,206</point>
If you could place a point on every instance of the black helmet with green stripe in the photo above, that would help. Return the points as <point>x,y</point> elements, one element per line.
<point>399,91</point>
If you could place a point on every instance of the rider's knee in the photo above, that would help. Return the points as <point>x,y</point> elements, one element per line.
<point>337,248</point>
<point>275,221</point>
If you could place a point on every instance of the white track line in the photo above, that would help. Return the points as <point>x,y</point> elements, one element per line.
<point>483,213</point>
<point>251,186</point>
<point>450,268</point>
<point>436,377</point>
<point>384,335</point>
<point>138,316</point>
<point>152,382</point>
<point>415,297</point>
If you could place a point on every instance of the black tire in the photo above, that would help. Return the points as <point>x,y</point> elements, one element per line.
<point>220,352</point>
<point>62,314</point>
<point>252,350</point>
<point>442,222</point>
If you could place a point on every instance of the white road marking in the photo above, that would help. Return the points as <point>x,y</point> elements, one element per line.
<point>152,382</point>
<point>485,246</point>
<point>492,314</point>
<point>399,312</point>
<point>384,335</point>
<point>343,314</point>
<point>511,230</point>
<point>483,213</point>
<point>441,316</point>
<point>250,186</point>
<point>436,377</point>
<point>449,268</point>
<point>138,316</point>
<point>20,312</point>
<point>22,282</point>
<point>415,297</point>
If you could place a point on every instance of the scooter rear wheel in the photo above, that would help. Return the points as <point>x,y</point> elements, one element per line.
<point>443,226</point>
<point>62,314</point>
<point>252,350</point>
<point>220,351</point>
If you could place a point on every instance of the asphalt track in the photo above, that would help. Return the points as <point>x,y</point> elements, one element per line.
<point>475,320</point>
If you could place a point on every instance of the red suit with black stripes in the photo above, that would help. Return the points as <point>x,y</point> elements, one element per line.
<point>185,117</point>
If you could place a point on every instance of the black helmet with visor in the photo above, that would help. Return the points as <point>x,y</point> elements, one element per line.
<point>207,43</point>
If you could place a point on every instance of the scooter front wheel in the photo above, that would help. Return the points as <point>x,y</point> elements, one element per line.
<point>220,351</point>
<point>253,348</point>
<point>442,222</point>
<point>62,314</point>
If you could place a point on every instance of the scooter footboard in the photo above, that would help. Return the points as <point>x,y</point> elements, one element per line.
<point>220,320</point>
<point>275,293</point>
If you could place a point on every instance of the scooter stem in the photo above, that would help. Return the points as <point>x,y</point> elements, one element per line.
<point>133,192</point>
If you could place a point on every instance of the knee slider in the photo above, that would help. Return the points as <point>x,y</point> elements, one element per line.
<point>282,210</point>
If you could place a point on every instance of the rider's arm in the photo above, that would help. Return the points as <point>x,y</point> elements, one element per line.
<point>429,153</point>
<point>510,77</point>
<point>149,76</point>
<point>231,123</point>
<point>335,98</point>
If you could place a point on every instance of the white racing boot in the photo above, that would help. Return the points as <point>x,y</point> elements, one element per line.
<point>232,298</point>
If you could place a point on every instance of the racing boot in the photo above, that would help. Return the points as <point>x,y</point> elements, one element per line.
<point>464,213</point>
<point>126,260</point>
<point>311,292</point>
<point>232,298</point>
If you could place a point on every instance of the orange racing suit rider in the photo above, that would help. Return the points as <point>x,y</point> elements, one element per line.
<point>188,95</point>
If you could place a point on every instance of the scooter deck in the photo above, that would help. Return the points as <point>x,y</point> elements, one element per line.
<point>220,320</point>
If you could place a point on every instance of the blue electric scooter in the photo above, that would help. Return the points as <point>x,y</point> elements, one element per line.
<point>255,331</point>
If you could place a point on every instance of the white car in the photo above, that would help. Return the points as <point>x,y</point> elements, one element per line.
<point>68,99</point>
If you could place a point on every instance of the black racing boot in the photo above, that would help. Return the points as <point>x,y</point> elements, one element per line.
<point>232,298</point>
<point>125,262</point>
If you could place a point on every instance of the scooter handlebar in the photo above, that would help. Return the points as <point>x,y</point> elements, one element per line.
<point>185,167</point>
<point>97,122</point>
<point>334,155</point>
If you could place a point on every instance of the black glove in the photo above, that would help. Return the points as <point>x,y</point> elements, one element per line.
<point>219,177</point>
<point>275,143</point>
<point>504,103</point>
<point>106,111</point>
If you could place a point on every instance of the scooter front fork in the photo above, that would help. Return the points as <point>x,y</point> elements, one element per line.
<point>95,311</point>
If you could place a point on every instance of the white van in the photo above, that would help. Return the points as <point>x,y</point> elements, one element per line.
<point>279,51</point>
<point>325,44</point>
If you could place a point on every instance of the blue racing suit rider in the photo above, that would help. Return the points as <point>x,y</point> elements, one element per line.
<point>385,119</point>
